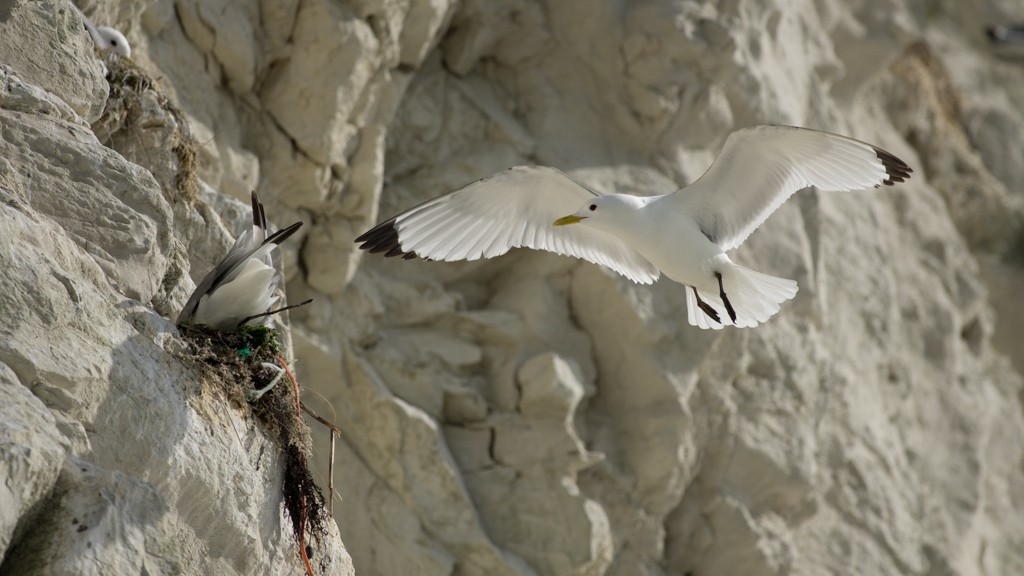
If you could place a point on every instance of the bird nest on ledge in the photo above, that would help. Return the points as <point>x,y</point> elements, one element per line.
<point>240,363</point>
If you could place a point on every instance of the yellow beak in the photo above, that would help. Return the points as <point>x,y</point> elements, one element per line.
<point>567,220</point>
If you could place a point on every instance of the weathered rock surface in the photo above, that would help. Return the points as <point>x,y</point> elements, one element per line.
<point>53,60</point>
<point>116,458</point>
<point>531,414</point>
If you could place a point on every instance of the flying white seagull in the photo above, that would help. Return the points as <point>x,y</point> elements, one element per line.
<point>106,39</point>
<point>240,288</point>
<point>684,235</point>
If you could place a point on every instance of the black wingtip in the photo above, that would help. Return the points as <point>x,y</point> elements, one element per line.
<point>896,170</point>
<point>259,216</point>
<point>283,234</point>
<point>369,233</point>
<point>384,238</point>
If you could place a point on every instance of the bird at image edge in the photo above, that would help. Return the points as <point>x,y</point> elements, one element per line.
<point>684,235</point>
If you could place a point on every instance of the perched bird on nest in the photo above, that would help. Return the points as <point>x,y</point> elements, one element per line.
<point>106,39</point>
<point>684,235</point>
<point>240,288</point>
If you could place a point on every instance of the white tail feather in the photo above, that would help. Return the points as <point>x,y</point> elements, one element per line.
<point>754,296</point>
<point>252,289</point>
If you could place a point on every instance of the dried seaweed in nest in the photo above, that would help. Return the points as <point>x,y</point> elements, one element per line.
<point>235,360</point>
<point>141,123</point>
<point>232,358</point>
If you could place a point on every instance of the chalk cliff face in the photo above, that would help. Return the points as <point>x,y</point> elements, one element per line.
<point>530,414</point>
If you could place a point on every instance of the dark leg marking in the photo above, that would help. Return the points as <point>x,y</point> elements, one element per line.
<point>725,299</point>
<point>705,307</point>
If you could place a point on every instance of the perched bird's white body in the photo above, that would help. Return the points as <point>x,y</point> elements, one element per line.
<point>242,285</point>
<point>106,38</point>
<point>684,235</point>
<point>246,292</point>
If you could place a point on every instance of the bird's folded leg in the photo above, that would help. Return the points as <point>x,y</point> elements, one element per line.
<point>705,307</point>
<point>725,299</point>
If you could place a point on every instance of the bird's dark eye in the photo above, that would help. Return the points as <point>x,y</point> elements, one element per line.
<point>113,42</point>
<point>593,207</point>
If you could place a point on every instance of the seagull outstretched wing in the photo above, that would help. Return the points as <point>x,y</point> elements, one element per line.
<point>760,167</point>
<point>511,209</point>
